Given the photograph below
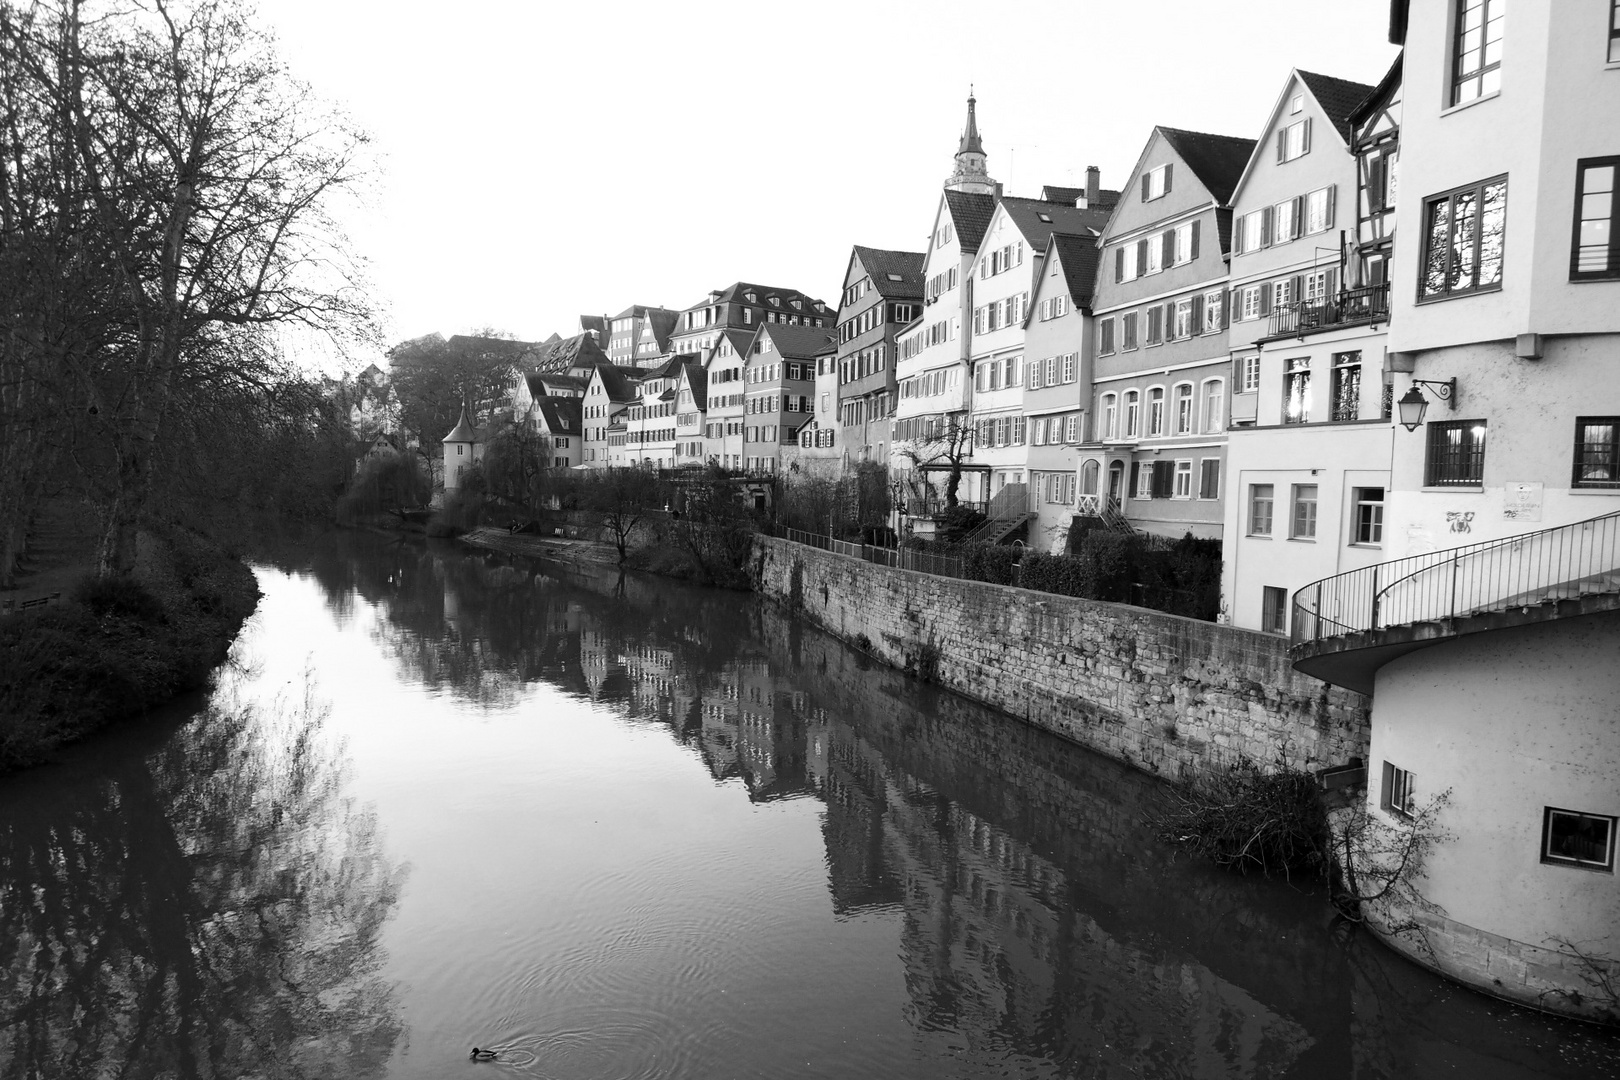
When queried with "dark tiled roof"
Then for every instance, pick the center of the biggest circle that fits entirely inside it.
(1338, 98)
(541, 383)
(599, 323)
(562, 414)
(735, 293)
(1028, 215)
(662, 323)
(908, 265)
(620, 382)
(639, 311)
(1068, 196)
(1380, 93)
(970, 215)
(552, 340)
(1080, 258)
(578, 353)
(1223, 226)
(1217, 160)
(798, 342)
(697, 380)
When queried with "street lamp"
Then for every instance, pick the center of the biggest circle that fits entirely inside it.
(1413, 404)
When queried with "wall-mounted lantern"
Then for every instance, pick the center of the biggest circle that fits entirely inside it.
(1413, 404)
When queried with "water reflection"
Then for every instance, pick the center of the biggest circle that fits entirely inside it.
(1044, 931)
(195, 899)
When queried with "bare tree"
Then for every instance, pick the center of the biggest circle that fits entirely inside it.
(209, 176)
(621, 497)
(946, 440)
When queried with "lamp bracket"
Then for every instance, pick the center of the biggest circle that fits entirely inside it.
(1443, 391)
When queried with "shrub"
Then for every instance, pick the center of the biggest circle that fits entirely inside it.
(1245, 818)
(1105, 566)
(120, 596)
(1058, 574)
(990, 562)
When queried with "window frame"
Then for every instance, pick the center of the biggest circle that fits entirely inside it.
(1273, 615)
(1473, 460)
(1611, 271)
(1269, 499)
(1183, 479)
(1477, 75)
(1303, 529)
(1583, 445)
(1476, 244)
(1212, 395)
(1603, 865)
(1397, 793)
(1365, 530)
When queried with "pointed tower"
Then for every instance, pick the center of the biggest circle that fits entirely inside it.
(970, 174)
(461, 450)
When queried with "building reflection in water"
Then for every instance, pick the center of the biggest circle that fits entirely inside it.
(1041, 920)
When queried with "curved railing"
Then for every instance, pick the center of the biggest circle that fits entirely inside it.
(1568, 561)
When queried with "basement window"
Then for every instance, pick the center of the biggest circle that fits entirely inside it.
(1571, 838)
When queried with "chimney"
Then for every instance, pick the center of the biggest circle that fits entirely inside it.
(1093, 184)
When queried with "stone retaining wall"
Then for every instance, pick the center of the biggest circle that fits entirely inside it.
(1170, 695)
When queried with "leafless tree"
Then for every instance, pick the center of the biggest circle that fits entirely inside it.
(946, 440)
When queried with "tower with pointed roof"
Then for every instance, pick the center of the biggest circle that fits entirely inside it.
(970, 174)
(462, 449)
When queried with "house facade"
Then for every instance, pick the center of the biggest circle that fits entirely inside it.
(744, 306)
(779, 380)
(821, 449)
(723, 432)
(610, 391)
(1308, 450)
(1161, 373)
(627, 329)
(883, 292)
(1057, 387)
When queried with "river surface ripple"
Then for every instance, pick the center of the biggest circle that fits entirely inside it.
(625, 828)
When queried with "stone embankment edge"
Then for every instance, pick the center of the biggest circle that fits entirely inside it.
(1172, 696)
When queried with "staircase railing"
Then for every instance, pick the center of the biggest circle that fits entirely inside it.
(1563, 562)
(1006, 509)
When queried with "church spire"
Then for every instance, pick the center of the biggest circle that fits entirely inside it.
(970, 174)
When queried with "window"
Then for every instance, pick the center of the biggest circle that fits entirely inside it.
(1183, 324)
(1367, 516)
(1462, 240)
(1156, 411)
(1282, 293)
(1214, 304)
(1399, 794)
(1156, 183)
(1614, 32)
(1297, 390)
(1571, 838)
(1249, 374)
(1155, 254)
(1184, 248)
(1250, 302)
(1184, 478)
(1251, 231)
(1274, 610)
(1110, 416)
(1597, 452)
(1133, 413)
(1214, 405)
(1209, 478)
(1476, 65)
(1184, 409)
(1303, 526)
(1261, 497)
(1346, 386)
(1285, 221)
(1155, 325)
(1070, 363)
(1105, 337)
(1595, 250)
(1071, 428)
(1294, 140)
(1456, 456)
(1319, 210)
(1127, 330)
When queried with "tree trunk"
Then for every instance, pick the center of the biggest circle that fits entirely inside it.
(116, 555)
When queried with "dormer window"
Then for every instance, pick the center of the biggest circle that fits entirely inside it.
(752, 298)
(798, 305)
(776, 301)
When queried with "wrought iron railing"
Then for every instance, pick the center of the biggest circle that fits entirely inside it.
(1347, 308)
(1565, 562)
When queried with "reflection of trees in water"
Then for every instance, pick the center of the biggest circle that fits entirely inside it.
(210, 909)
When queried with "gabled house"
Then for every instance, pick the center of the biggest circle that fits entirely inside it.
(1162, 365)
(724, 432)
(883, 292)
(691, 410)
(1308, 450)
(610, 392)
(743, 305)
(652, 338)
(625, 331)
(821, 451)
(575, 356)
(650, 420)
(560, 420)
(778, 381)
(1057, 388)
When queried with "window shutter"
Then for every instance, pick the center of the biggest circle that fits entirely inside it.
(1296, 289)
(1192, 251)
(1209, 484)
(1169, 239)
(1164, 479)
(1144, 187)
(1265, 298)
(1136, 476)
(1305, 143)
(1265, 226)
(1119, 265)
(1141, 257)
(1237, 234)
(1375, 185)
(1282, 145)
(1169, 169)
(1169, 320)
(1330, 286)
(1198, 315)
(1332, 191)
(1299, 216)
(1235, 313)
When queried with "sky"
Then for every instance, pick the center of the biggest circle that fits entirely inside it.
(540, 160)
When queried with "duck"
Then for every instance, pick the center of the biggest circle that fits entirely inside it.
(483, 1055)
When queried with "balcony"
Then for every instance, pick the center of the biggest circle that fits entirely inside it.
(1344, 628)
(1352, 307)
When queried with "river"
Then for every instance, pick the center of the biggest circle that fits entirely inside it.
(626, 828)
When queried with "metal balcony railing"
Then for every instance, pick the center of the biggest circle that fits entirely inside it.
(1561, 563)
(1348, 308)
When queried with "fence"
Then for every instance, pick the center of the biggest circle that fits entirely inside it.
(924, 562)
(1564, 562)
(1349, 308)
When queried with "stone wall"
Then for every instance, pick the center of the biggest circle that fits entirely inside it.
(1170, 695)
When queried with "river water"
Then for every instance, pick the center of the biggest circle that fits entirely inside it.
(627, 828)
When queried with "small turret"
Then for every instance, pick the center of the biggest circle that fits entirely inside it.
(970, 173)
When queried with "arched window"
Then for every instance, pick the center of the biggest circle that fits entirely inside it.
(1090, 472)
(1214, 405)
(1133, 414)
(1184, 418)
(1110, 416)
(1155, 424)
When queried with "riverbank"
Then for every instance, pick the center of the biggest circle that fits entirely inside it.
(104, 652)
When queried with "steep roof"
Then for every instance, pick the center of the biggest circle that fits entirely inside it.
(697, 381)
(970, 216)
(1379, 95)
(1338, 99)
(1038, 219)
(540, 383)
(1079, 257)
(620, 383)
(905, 266)
(599, 323)
(639, 311)
(737, 292)
(662, 323)
(970, 143)
(798, 342)
(578, 353)
(463, 431)
(1217, 160)
(562, 415)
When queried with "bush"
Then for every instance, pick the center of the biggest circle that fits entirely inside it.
(1248, 819)
(990, 562)
(118, 596)
(1104, 572)
(1058, 574)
